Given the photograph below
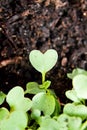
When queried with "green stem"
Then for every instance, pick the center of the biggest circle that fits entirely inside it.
(84, 125)
(43, 77)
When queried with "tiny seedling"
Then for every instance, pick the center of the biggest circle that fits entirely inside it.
(43, 110)
(43, 62)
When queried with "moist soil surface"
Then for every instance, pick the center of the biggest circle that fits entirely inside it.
(42, 24)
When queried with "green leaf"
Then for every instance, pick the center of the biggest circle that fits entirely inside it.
(43, 62)
(57, 108)
(74, 123)
(33, 88)
(16, 121)
(69, 123)
(45, 85)
(4, 113)
(75, 110)
(63, 122)
(72, 95)
(15, 98)
(76, 72)
(2, 97)
(48, 123)
(80, 85)
(44, 102)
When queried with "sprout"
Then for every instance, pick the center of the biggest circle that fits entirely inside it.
(43, 62)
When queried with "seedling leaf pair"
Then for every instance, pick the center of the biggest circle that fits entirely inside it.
(43, 62)
(16, 120)
(15, 98)
(76, 72)
(33, 88)
(79, 81)
(48, 123)
(69, 123)
(76, 110)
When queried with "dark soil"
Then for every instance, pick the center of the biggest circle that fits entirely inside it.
(42, 24)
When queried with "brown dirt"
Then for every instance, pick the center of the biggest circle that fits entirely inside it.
(41, 24)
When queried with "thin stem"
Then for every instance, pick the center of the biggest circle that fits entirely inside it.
(43, 77)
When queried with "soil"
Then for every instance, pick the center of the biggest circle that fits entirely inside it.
(42, 24)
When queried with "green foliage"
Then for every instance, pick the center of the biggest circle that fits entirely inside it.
(43, 111)
(67, 122)
(78, 110)
(33, 88)
(17, 117)
(16, 100)
(78, 95)
(2, 97)
(76, 72)
(44, 102)
(4, 113)
(43, 62)
(16, 120)
(45, 85)
(72, 95)
(80, 85)
(47, 123)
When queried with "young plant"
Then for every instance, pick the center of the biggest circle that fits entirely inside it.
(79, 82)
(43, 62)
(78, 95)
(44, 102)
(42, 112)
(16, 117)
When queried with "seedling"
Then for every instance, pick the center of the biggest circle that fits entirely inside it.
(42, 112)
(43, 62)
(78, 95)
(17, 117)
(79, 82)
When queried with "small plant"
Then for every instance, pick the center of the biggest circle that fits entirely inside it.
(43, 111)
(43, 62)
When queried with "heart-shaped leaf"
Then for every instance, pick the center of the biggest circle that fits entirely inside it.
(47, 123)
(80, 85)
(72, 95)
(15, 98)
(44, 102)
(69, 123)
(75, 110)
(75, 72)
(17, 120)
(63, 122)
(33, 88)
(43, 62)
(74, 123)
